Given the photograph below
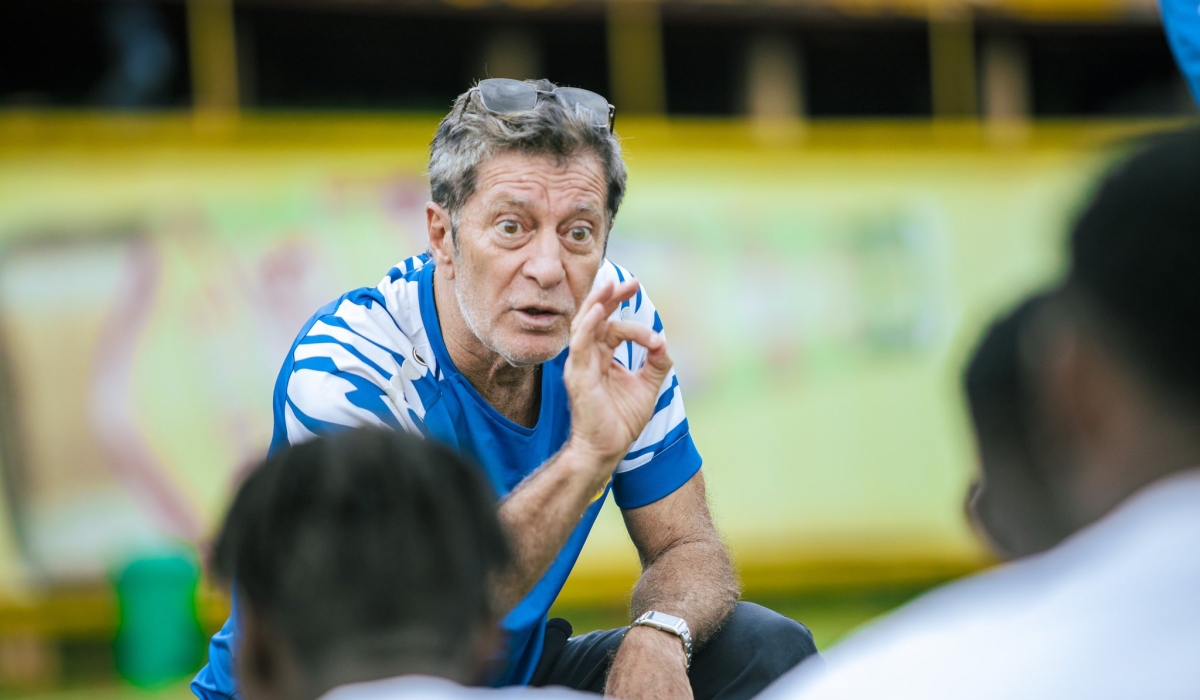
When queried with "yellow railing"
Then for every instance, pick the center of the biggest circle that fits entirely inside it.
(27, 132)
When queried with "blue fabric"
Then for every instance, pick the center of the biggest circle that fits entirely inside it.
(660, 477)
(457, 415)
(216, 681)
(1181, 22)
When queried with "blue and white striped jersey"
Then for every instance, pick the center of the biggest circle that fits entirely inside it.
(375, 357)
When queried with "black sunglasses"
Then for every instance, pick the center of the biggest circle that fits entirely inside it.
(504, 96)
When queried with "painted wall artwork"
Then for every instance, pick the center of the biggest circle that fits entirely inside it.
(819, 304)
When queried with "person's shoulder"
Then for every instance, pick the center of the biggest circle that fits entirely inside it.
(1107, 613)
(401, 292)
(938, 646)
(406, 271)
(921, 656)
(375, 332)
(387, 315)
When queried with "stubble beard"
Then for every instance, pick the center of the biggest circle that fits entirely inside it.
(474, 313)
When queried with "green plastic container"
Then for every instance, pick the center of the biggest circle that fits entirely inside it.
(158, 637)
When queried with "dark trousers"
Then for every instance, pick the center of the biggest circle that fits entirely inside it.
(752, 649)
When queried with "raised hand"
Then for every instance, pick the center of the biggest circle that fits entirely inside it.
(610, 405)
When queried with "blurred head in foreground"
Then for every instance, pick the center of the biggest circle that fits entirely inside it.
(357, 557)
(1010, 503)
(1118, 348)
(1083, 398)
(1080, 398)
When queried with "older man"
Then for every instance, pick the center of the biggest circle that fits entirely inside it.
(515, 341)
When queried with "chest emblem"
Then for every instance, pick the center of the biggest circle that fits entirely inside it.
(416, 368)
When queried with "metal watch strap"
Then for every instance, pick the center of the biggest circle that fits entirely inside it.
(671, 625)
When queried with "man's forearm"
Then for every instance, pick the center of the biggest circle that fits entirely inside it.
(686, 569)
(686, 572)
(693, 580)
(539, 515)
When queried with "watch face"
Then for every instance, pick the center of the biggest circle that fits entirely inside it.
(670, 621)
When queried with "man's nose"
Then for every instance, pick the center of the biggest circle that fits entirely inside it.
(544, 264)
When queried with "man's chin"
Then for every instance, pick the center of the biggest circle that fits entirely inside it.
(526, 351)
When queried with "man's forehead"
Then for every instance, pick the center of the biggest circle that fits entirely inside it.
(519, 180)
(583, 204)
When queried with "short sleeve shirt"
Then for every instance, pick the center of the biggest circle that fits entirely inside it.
(375, 357)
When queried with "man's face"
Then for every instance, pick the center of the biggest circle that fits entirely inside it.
(1010, 506)
(529, 244)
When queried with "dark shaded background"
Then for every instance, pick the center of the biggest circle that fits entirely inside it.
(351, 56)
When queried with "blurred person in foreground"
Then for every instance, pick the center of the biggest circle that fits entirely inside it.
(517, 342)
(362, 563)
(1101, 507)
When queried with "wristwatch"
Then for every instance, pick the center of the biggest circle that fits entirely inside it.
(671, 625)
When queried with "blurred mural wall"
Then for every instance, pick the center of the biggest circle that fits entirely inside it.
(820, 288)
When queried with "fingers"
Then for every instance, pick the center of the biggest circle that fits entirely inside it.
(598, 296)
(620, 293)
(658, 359)
(617, 332)
(624, 292)
(609, 296)
(599, 305)
(587, 329)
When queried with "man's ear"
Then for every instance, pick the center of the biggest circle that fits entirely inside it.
(1090, 409)
(266, 668)
(1086, 390)
(440, 228)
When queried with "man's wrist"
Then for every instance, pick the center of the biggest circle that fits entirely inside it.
(645, 639)
(589, 462)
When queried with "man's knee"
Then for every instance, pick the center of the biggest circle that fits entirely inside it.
(770, 639)
(754, 648)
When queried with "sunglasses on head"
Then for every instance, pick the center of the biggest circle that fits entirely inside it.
(504, 96)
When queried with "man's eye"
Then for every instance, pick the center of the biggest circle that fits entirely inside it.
(579, 234)
(510, 228)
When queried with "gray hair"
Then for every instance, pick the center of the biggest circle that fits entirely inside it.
(470, 135)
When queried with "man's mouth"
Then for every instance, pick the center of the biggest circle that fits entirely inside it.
(538, 316)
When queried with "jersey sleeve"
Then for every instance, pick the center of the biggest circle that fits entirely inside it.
(340, 375)
(1181, 22)
(663, 457)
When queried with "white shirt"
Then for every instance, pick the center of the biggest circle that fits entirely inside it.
(433, 688)
(1112, 612)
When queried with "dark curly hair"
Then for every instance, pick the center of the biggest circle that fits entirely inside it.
(370, 543)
